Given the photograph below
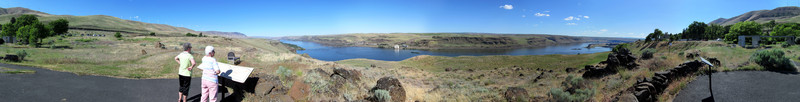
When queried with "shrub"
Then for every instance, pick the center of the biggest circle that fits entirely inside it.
(2, 41)
(580, 95)
(382, 95)
(785, 45)
(284, 74)
(118, 35)
(620, 47)
(648, 53)
(772, 59)
(22, 54)
(152, 34)
(572, 81)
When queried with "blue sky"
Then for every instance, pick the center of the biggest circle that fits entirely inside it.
(273, 18)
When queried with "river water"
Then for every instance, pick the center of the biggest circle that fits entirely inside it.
(330, 53)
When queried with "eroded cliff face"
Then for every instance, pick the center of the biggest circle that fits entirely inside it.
(476, 40)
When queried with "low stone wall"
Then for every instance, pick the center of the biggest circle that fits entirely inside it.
(648, 89)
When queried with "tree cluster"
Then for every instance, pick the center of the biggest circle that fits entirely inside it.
(28, 29)
(195, 35)
(702, 31)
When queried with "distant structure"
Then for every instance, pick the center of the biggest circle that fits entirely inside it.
(756, 38)
(396, 46)
(9, 39)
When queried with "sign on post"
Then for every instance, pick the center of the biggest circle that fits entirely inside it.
(235, 73)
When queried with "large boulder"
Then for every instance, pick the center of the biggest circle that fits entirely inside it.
(621, 58)
(516, 94)
(597, 71)
(353, 75)
(12, 58)
(395, 88)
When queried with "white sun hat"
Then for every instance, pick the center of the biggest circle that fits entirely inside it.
(209, 49)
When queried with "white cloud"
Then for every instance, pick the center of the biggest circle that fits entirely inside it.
(585, 16)
(541, 14)
(523, 16)
(572, 18)
(546, 11)
(603, 30)
(507, 7)
(571, 24)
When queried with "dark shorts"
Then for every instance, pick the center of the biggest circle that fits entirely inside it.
(184, 83)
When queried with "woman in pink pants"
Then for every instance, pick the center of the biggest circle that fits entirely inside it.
(210, 71)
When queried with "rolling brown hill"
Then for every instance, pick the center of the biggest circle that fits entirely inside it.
(109, 24)
(780, 15)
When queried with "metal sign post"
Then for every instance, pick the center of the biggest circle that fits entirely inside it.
(709, 76)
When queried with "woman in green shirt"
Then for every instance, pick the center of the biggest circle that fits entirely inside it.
(184, 71)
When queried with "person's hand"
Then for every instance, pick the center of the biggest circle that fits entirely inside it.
(190, 68)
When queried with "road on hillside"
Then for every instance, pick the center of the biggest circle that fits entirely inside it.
(743, 86)
(52, 86)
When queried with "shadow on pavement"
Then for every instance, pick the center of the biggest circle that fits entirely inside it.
(709, 99)
(238, 88)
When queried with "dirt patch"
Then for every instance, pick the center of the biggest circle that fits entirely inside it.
(299, 90)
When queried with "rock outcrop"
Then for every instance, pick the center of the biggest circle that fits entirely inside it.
(516, 94)
(395, 88)
(619, 59)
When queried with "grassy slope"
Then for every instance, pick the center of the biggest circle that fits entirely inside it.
(109, 23)
(123, 58)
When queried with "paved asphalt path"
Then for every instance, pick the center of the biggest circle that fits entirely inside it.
(744, 86)
(53, 86)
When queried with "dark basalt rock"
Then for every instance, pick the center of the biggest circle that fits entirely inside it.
(12, 58)
(347, 74)
(621, 58)
(392, 85)
(646, 90)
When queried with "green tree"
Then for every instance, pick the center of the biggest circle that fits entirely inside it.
(33, 33)
(152, 34)
(714, 31)
(13, 20)
(655, 36)
(118, 35)
(201, 34)
(26, 20)
(60, 26)
(9, 29)
(769, 25)
(786, 29)
(743, 28)
(191, 35)
(696, 30)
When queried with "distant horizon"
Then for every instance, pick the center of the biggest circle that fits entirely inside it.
(444, 32)
(615, 18)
